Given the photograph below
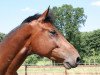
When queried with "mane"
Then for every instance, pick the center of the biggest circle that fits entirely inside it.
(49, 18)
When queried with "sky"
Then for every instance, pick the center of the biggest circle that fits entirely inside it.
(13, 12)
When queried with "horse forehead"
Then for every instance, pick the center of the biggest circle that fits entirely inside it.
(45, 25)
(49, 26)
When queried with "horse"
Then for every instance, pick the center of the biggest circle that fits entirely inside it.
(36, 35)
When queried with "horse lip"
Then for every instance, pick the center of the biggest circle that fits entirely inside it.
(67, 65)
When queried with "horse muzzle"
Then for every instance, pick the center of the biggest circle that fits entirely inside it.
(71, 64)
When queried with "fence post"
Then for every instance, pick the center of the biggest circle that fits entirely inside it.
(65, 72)
(25, 69)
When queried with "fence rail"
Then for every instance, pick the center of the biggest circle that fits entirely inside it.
(59, 70)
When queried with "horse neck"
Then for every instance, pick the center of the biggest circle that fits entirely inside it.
(13, 43)
(17, 38)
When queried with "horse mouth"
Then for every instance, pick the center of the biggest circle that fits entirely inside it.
(67, 65)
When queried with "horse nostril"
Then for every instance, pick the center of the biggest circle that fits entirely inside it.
(78, 60)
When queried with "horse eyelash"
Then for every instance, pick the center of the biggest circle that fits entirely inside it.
(53, 32)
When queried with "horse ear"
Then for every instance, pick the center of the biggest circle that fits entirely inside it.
(44, 15)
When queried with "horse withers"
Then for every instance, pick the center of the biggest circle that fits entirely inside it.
(35, 35)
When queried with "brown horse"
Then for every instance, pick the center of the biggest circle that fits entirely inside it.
(38, 35)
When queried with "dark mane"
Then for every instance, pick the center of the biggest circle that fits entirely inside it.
(49, 18)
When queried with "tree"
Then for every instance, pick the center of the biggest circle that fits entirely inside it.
(68, 21)
(2, 35)
(94, 41)
(90, 45)
(32, 59)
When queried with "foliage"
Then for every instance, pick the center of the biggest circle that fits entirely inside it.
(44, 61)
(90, 45)
(33, 59)
(68, 21)
(1, 36)
(36, 59)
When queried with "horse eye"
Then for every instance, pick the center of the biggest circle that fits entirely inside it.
(53, 32)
